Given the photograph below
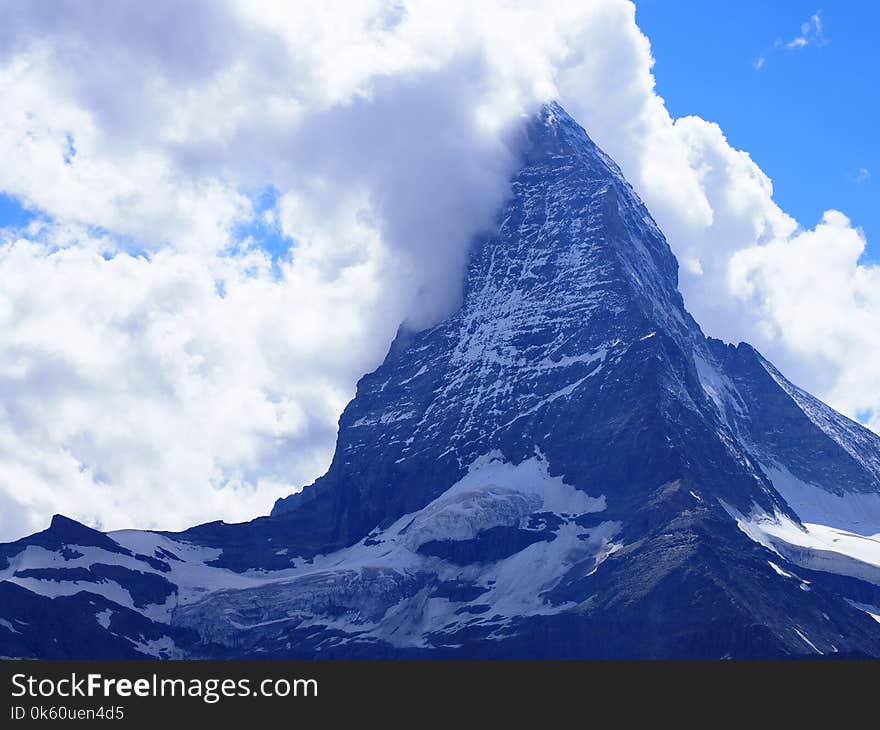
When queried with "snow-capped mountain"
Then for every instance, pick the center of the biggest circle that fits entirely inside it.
(565, 467)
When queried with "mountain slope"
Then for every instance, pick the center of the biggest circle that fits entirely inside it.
(566, 466)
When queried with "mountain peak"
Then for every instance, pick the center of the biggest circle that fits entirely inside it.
(576, 286)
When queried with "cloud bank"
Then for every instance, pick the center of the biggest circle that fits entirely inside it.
(235, 205)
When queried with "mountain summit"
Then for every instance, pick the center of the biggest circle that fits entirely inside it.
(565, 467)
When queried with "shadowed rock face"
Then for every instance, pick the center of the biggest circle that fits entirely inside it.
(565, 467)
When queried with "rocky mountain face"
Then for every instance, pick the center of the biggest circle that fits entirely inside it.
(565, 467)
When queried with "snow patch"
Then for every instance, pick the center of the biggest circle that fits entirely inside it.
(103, 618)
(857, 512)
(162, 648)
(807, 640)
(812, 546)
(461, 516)
(779, 571)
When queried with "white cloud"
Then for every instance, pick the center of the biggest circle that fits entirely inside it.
(156, 370)
(813, 299)
(812, 34)
(132, 392)
(863, 175)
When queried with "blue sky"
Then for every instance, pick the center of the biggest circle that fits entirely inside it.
(808, 115)
(11, 212)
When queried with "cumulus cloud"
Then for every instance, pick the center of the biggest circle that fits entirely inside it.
(810, 295)
(161, 364)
